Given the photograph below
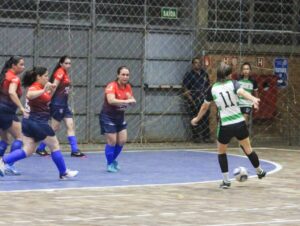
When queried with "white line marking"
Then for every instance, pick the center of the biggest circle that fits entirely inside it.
(145, 215)
(257, 222)
(92, 196)
(45, 220)
(121, 217)
(167, 214)
(189, 212)
(21, 222)
(278, 167)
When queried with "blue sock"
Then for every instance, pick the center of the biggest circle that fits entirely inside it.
(118, 149)
(42, 146)
(3, 146)
(73, 143)
(109, 153)
(17, 144)
(14, 156)
(59, 161)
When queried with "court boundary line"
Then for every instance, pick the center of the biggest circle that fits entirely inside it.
(278, 167)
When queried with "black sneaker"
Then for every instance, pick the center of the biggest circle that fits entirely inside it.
(41, 152)
(262, 174)
(77, 153)
(225, 185)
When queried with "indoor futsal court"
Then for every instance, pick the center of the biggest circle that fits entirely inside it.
(154, 187)
(163, 89)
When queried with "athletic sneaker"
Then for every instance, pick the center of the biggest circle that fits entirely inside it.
(2, 168)
(225, 185)
(68, 174)
(111, 168)
(41, 152)
(11, 170)
(77, 153)
(116, 165)
(262, 174)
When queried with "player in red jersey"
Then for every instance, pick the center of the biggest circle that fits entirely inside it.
(10, 94)
(35, 127)
(60, 110)
(118, 95)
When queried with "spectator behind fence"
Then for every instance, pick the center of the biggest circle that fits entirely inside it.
(195, 84)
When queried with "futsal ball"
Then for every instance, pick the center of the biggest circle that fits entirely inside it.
(240, 174)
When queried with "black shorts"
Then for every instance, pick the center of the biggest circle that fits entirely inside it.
(36, 130)
(246, 110)
(238, 130)
(6, 120)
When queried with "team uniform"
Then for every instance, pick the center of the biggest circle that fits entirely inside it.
(8, 108)
(232, 122)
(36, 125)
(59, 103)
(111, 117)
(250, 86)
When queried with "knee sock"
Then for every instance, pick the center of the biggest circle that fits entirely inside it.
(224, 166)
(3, 146)
(73, 143)
(14, 156)
(17, 144)
(118, 149)
(255, 161)
(41, 146)
(109, 153)
(59, 161)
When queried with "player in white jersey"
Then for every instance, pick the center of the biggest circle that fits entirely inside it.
(225, 93)
(250, 85)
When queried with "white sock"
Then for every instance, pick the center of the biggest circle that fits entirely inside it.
(259, 170)
(225, 177)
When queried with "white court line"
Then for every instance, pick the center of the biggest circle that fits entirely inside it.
(257, 222)
(91, 196)
(278, 167)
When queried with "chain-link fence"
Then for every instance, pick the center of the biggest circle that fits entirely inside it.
(157, 40)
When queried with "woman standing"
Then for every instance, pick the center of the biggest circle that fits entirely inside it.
(60, 111)
(35, 127)
(225, 94)
(118, 95)
(10, 95)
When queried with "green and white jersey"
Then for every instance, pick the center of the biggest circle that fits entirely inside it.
(249, 85)
(224, 94)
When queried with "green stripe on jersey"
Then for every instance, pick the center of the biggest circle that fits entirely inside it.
(231, 117)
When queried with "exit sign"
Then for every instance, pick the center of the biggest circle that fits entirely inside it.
(168, 13)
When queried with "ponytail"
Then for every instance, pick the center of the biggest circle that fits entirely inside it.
(14, 60)
(30, 76)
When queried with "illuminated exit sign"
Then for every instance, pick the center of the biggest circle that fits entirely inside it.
(169, 13)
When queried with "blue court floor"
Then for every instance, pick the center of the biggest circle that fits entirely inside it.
(137, 168)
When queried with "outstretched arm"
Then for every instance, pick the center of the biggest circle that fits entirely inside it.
(202, 111)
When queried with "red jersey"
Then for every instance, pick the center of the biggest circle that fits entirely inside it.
(121, 93)
(39, 107)
(61, 94)
(6, 103)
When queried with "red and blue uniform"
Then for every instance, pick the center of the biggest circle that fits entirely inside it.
(59, 103)
(36, 125)
(8, 108)
(112, 116)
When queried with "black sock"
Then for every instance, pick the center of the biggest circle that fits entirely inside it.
(254, 159)
(223, 162)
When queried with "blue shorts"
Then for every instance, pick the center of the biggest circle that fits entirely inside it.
(6, 120)
(36, 130)
(60, 112)
(111, 125)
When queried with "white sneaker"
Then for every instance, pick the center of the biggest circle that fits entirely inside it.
(2, 168)
(69, 174)
(11, 170)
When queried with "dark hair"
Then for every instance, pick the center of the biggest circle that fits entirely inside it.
(14, 60)
(31, 75)
(58, 65)
(246, 63)
(120, 68)
(195, 58)
(223, 71)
